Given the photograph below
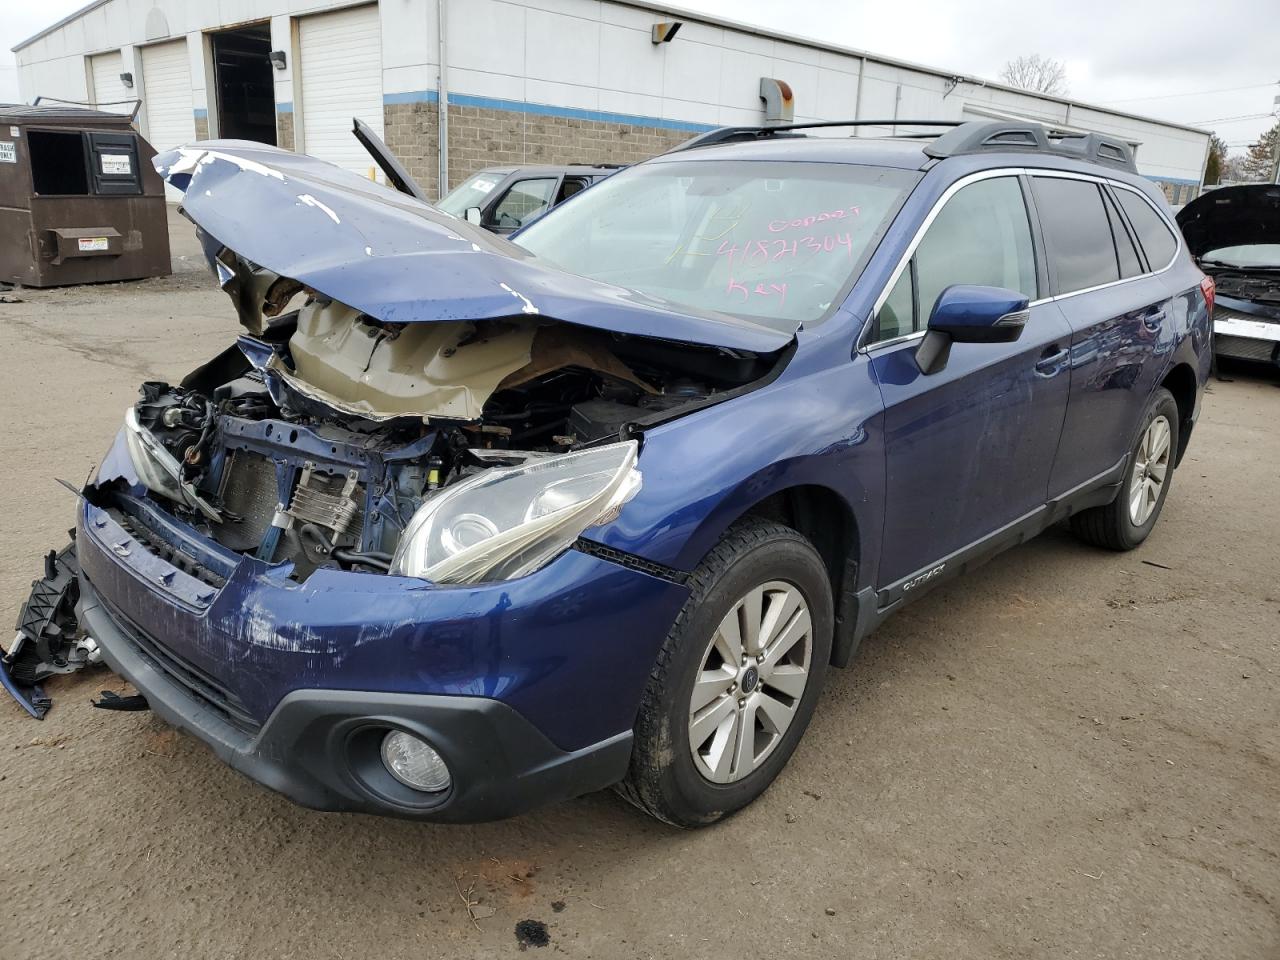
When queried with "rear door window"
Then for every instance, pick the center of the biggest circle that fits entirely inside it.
(1158, 241)
(1077, 233)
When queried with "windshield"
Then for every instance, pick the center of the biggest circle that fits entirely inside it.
(779, 242)
(1248, 255)
(471, 193)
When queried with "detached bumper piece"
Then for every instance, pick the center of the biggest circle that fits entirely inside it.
(48, 641)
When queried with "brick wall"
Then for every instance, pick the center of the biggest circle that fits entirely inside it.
(409, 131)
(480, 137)
(284, 130)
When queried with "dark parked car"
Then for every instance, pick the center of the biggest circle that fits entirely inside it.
(1234, 234)
(458, 526)
(503, 199)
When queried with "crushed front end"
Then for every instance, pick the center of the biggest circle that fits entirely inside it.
(347, 553)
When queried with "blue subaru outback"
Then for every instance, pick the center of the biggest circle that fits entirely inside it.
(459, 525)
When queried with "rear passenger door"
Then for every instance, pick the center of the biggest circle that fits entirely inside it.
(1117, 310)
(968, 449)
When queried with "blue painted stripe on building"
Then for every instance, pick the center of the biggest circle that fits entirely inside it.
(201, 113)
(547, 110)
(413, 96)
(284, 108)
(1159, 179)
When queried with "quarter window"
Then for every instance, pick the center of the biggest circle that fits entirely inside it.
(1158, 241)
(981, 236)
(1077, 233)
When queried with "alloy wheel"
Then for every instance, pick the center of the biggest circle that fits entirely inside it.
(750, 681)
(1150, 469)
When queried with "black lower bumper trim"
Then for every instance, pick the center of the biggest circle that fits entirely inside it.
(319, 747)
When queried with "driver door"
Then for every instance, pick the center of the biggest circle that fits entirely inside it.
(968, 449)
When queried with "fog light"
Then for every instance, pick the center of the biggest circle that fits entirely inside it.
(414, 762)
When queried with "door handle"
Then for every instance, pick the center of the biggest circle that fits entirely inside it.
(1153, 318)
(1049, 363)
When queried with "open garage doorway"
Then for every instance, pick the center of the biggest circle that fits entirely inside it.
(245, 83)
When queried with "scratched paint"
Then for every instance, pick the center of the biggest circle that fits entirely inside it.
(311, 201)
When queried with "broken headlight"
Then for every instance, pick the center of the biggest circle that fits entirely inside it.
(509, 521)
(157, 469)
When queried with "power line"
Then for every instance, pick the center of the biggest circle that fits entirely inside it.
(1191, 93)
(1249, 116)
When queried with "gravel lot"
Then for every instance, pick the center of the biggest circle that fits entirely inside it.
(1067, 754)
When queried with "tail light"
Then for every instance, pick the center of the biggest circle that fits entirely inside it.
(1209, 289)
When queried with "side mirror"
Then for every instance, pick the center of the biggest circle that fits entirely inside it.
(970, 314)
(472, 215)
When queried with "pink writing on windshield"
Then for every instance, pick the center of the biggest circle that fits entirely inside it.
(801, 223)
(756, 253)
(745, 291)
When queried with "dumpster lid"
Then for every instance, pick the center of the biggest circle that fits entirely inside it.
(21, 113)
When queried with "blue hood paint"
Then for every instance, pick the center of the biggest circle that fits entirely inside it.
(401, 260)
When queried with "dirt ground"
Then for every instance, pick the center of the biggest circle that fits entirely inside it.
(1067, 754)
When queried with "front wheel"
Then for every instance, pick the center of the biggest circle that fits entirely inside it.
(1127, 521)
(736, 680)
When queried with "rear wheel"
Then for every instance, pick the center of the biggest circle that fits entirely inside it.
(1127, 521)
(736, 681)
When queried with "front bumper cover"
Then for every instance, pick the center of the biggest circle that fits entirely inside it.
(318, 747)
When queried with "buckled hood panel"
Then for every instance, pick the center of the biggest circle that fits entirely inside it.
(284, 215)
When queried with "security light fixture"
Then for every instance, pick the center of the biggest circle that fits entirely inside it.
(666, 32)
(278, 59)
(127, 80)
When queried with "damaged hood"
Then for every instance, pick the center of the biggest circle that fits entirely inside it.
(1231, 217)
(395, 258)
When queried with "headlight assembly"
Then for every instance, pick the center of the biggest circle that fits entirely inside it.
(157, 469)
(509, 521)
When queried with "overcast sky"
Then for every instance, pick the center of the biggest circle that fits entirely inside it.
(1202, 64)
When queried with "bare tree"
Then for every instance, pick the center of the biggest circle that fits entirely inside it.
(1036, 73)
(1260, 161)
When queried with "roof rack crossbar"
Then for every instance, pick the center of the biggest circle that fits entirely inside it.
(1017, 137)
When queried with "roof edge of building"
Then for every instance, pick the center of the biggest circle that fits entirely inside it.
(892, 61)
(775, 35)
(74, 15)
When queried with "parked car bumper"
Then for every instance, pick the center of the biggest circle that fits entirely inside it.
(527, 688)
(1246, 331)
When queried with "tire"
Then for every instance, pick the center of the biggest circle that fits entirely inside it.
(1121, 525)
(755, 558)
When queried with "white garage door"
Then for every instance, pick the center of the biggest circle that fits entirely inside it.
(341, 55)
(104, 73)
(166, 95)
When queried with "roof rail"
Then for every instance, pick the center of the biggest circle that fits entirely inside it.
(1013, 136)
(770, 132)
(959, 138)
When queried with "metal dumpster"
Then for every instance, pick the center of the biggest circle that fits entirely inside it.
(79, 200)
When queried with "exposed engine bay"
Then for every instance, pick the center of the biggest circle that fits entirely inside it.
(316, 441)
(1258, 286)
